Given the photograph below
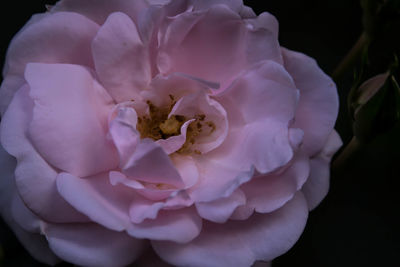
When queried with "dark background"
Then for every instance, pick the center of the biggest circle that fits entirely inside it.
(358, 223)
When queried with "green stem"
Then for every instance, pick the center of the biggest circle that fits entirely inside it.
(351, 58)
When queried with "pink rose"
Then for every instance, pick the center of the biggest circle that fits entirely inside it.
(183, 126)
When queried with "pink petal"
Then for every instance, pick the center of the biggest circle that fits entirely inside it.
(265, 21)
(260, 105)
(180, 226)
(121, 59)
(93, 245)
(217, 180)
(317, 185)
(221, 209)
(186, 166)
(189, 32)
(123, 132)
(35, 243)
(235, 5)
(69, 123)
(142, 209)
(174, 143)
(98, 10)
(270, 192)
(177, 85)
(44, 41)
(151, 164)
(9, 86)
(230, 35)
(151, 193)
(318, 106)
(261, 237)
(95, 197)
(32, 171)
(200, 103)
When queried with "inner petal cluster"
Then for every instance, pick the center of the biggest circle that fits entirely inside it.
(159, 123)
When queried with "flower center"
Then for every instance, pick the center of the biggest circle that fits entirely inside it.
(156, 125)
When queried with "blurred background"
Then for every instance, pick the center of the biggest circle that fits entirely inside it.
(358, 222)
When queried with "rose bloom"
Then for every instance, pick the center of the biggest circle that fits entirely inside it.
(178, 125)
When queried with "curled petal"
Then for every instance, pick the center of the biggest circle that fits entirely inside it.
(215, 127)
(220, 210)
(151, 164)
(180, 226)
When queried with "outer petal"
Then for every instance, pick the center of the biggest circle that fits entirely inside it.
(32, 171)
(10, 85)
(92, 245)
(187, 39)
(260, 105)
(69, 123)
(95, 197)
(261, 237)
(98, 10)
(317, 185)
(33, 242)
(44, 41)
(220, 210)
(270, 192)
(121, 59)
(180, 226)
(319, 104)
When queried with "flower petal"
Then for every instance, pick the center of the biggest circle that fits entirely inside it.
(221, 209)
(151, 164)
(123, 132)
(174, 143)
(215, 128)
(44, 41)
(95, 197)
(9, 86)
(92, 245)
(98, 10)
(230, 35)
(69, 123)
(258, 119)
(270, 192)
(318, 106)
(32, 171)
(225, 179)
(180, 226)
(261, 237)
(121, 59)
(35, 243)
(317, 185)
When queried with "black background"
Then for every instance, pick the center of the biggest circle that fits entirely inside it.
(358, 223)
